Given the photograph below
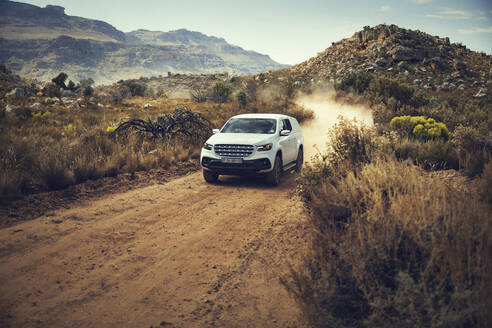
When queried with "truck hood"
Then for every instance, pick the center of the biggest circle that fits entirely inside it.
(240, 138)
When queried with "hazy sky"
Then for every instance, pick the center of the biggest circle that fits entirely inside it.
(292, 31)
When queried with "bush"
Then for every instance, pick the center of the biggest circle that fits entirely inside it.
(358, 81)
(60, 79)
(199, 95)
(420, 128)
(242, 99)
(393, 247)
(134, 87)
(84, 83)
(474, 149)
(88, 91)
(289, 88)
(402, 92)
(484, 184)
(221, 92)
(71, 85)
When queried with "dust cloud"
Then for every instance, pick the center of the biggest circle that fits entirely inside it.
(326, 110)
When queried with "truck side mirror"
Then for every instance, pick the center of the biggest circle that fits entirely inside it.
(284, 133)
(215, 131)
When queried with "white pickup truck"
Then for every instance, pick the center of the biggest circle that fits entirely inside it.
(266, 144)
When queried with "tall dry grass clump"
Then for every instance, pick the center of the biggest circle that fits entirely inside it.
(393, 246)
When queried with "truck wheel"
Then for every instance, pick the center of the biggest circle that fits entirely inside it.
(210, 177)
(273, 177)
(300, 159)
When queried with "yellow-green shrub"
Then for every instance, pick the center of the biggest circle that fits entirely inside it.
(420, 127)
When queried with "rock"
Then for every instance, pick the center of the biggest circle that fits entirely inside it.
(436, 63)
(461, 87)
(17, 93)
(456, 75)
(10, 108)
(36, 106)
(459, 65)
(384, 62)
(147, 106)
(417, 82)
(401, 53)
(68, 93)
(477, 84)
(444, 86)
(481, 93)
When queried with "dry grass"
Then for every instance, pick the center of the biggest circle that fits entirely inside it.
(393, 246)
(70, 146)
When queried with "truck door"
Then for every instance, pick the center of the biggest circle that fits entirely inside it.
(288, 142)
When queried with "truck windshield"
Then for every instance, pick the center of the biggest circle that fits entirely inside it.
(250, 125)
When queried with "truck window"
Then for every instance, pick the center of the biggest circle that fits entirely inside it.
(286, 125)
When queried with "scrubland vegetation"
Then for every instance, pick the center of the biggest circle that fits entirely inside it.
(56, 145)
(394, 243)
(394, 246)
(453, 132)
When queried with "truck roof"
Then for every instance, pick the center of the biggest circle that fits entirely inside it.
(261, 115)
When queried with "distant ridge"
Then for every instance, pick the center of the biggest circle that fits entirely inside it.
(40, 42)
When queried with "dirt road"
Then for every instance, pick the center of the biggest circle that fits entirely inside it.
(177, 254)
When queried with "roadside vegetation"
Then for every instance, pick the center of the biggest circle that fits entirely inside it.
(49, 142)
(396, 242)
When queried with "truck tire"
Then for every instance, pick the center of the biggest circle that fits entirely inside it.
(273, 177)
(210, 177)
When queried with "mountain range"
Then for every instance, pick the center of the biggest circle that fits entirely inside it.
(41, 42)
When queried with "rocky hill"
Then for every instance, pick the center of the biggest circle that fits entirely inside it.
(428, 62)
(40, 42)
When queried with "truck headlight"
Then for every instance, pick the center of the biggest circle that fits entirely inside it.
(264, 147)
(208, 146)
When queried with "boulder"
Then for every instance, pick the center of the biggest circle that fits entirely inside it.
(384, 62)
(459, 65)
(17, 93)
(481, 93)
(35, 106)
(401, 53)
(10, 108)
(68, 93)
(455, 75)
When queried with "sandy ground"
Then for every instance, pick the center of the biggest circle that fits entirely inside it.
(180, 254)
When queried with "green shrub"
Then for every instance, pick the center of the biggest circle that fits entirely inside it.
(71, 85)
(88, 91)
(420, 128)
(242, 99)
(60, 79)
(358, 81)
(84, 83)
(221, 92)
(134, 87)
(404, 93)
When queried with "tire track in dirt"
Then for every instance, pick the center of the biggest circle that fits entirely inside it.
(184, 252)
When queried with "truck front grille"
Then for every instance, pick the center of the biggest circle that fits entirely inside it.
(234, 150)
